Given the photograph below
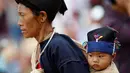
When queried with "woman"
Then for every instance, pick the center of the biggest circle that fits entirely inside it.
(57, 52)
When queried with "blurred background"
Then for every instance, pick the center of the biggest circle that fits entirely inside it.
(81, 17)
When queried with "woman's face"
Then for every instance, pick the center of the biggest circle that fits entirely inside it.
(28, 22)
(98, 60)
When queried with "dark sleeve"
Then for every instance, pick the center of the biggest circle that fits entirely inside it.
(67, 60)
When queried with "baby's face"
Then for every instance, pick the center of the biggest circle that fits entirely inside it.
(98, 60)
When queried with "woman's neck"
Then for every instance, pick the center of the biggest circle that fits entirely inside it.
(44, 33)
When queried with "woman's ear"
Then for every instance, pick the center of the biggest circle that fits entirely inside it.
(113, 56)
(42, 16)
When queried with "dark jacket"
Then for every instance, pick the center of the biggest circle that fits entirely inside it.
(62, 55)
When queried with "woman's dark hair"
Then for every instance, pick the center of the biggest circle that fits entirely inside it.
(35, 12)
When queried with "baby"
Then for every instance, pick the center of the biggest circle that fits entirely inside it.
(101, 48)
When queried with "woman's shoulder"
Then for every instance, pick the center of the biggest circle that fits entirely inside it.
(59, 39)
(62, 42)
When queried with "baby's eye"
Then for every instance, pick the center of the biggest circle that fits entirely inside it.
(90, 55)
(101, 56)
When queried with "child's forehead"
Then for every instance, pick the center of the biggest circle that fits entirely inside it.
(98, 53)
